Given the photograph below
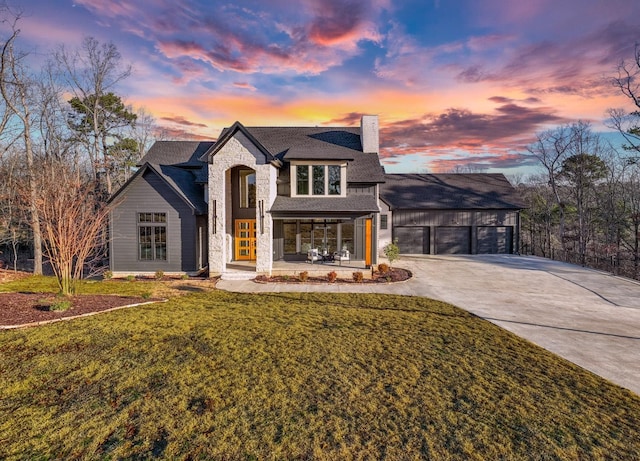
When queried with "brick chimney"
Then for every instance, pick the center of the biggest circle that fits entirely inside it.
(369, 134)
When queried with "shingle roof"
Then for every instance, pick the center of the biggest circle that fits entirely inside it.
(178, 153)
(351, 205)
(309, 143)
(183, 182)
(449, 191)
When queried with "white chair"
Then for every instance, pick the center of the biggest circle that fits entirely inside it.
(313, 255)
(342, 256)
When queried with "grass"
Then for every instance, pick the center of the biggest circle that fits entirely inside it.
(215, 375)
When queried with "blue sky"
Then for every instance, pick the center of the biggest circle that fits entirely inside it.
(455, 83)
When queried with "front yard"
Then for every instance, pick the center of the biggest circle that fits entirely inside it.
(216, 375)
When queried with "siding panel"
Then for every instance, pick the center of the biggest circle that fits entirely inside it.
(148, 193)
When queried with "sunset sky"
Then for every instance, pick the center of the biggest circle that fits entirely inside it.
(455, 83)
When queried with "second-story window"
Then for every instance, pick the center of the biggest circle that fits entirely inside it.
(319, 179)
(302, 179)
(247, 189)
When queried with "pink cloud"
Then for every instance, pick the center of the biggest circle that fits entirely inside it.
(321, 34)
(244, 86)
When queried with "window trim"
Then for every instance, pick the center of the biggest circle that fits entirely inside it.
(158, 219)
(327, 187)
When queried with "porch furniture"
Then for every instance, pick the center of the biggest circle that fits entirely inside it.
(342, 255)
(313, 255)
(326, 256)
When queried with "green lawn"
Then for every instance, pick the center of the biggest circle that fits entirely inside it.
(214, 375)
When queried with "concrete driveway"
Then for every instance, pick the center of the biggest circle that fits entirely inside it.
(588, 317)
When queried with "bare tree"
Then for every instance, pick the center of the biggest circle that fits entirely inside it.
(91, 73)
(17, 88)
(627, 81)
(551, 148)
(73, 220)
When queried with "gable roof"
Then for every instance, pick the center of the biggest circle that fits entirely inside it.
(450, 191)
(181, 181)
(178, 153)
(227, 134)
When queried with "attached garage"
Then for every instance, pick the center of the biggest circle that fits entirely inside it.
(495, 239)
(453, 240)
(453, 213)
(412, 240)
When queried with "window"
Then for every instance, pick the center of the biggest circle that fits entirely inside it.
(302, 179)
(152, 236)
(334, 179)
(247, 189)
(319, 179)
(383, 221)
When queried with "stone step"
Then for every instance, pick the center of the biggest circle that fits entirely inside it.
(237, 275)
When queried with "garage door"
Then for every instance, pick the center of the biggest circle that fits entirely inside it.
(412, 240)
(494, 240)
(453, 240)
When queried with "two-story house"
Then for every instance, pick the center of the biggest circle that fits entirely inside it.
(258, 194)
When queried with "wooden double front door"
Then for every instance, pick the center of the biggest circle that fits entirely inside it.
(245, 240)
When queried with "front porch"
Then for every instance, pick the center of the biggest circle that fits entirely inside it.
(247, 269)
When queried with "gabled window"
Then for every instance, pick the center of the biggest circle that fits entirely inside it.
(318, 180)
(152, 236)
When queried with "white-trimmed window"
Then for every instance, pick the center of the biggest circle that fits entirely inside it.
(318, 179)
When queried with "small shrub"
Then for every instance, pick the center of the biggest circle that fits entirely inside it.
(332, 276)
(392, 251)
(60, 306)
(304, 276)
(285, 278)
(159, 275)
(358, 277)
(107, 275)
(383, 268)
(146, 295)
(184, 277)
(131, 278)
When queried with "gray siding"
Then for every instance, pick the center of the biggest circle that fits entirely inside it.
(455, 218)
(361, 190)
(148, 193)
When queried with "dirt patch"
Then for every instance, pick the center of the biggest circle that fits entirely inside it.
(10, 276)
(23, 308)
(392, 275)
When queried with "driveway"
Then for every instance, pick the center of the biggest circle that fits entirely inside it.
(588, 317)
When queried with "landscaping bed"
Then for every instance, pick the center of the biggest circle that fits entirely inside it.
(388, 276)
(25, 308)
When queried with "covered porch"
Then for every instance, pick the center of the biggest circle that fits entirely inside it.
(245, 270)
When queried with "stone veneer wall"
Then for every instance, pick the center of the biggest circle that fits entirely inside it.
(239, 151)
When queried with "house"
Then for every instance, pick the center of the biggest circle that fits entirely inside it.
(260, 195)
(474, 213)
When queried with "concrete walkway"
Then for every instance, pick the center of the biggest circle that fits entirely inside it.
(588, 317)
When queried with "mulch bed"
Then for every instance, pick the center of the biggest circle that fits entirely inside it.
(393, 275)
(24, 308)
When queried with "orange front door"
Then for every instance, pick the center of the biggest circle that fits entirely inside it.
(367, 242)
(245, 240)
